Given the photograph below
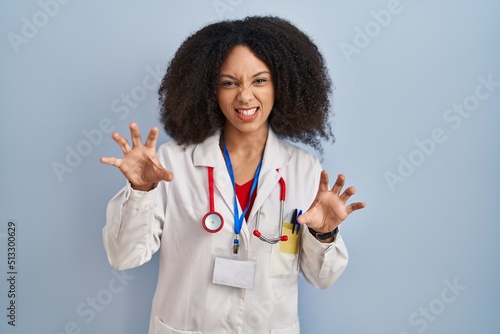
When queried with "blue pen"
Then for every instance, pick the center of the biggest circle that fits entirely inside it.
(298, 224)
(294, 220)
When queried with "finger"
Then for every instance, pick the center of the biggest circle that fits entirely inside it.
(323, 181)
(121, 141)
(160, 173)
(355, 206)
(339, 184)
(135, 134)
(304, 218)
(347, 194)
(166, 175)
(111, 161)
(152, 137)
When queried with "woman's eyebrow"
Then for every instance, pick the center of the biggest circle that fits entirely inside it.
(260, 73)
(253, 76)
(227, 76)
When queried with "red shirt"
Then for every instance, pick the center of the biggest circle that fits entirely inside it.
(243, 194)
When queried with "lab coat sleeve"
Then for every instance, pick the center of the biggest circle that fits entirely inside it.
(322, 263)
(132, 233)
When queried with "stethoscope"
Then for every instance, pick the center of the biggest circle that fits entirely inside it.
(213, 221)
(282, 237)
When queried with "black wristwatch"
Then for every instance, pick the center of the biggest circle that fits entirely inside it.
(324, 236)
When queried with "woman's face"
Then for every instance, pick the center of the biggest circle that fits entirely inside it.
(245, 91)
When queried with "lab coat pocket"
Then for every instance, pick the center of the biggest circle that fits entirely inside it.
(285, 255)
(161, 328)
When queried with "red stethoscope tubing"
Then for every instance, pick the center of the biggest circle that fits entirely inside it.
(217, 219)
(283, 189)
(211, 188)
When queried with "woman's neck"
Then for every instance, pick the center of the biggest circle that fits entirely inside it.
(245, 151)
(245, 144)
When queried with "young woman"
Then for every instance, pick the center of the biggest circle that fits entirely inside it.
(221, 200)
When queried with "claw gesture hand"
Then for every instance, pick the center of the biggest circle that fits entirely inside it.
(140, 165)
(329, 208)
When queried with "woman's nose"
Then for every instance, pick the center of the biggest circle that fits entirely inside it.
(245, 95)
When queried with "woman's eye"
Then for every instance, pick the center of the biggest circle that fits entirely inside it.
(260, 81)
(228, 83)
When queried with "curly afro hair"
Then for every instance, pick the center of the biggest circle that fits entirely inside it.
(189, 109)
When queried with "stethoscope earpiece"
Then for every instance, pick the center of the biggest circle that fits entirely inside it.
(271, 241)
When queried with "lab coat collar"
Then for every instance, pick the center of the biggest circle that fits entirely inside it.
(208, 153)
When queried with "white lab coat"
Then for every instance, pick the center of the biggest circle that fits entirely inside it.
(169, 218)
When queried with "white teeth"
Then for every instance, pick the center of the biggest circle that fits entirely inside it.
(247, 112)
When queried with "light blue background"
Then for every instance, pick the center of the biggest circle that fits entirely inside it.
(438, 227)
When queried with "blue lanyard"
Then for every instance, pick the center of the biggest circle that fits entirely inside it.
(238, 219)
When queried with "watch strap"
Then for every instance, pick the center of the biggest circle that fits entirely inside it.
(324, 236)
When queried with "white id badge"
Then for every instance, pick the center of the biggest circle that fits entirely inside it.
(235, 273)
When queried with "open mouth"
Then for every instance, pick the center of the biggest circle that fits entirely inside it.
(247, 112)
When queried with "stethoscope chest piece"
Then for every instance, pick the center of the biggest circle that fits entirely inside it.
(212, 222)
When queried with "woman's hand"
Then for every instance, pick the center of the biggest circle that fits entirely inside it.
(139, 164)
(329, 208)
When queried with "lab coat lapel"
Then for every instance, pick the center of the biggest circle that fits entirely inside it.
(224, 185)
(208, 154)
(276, 156)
